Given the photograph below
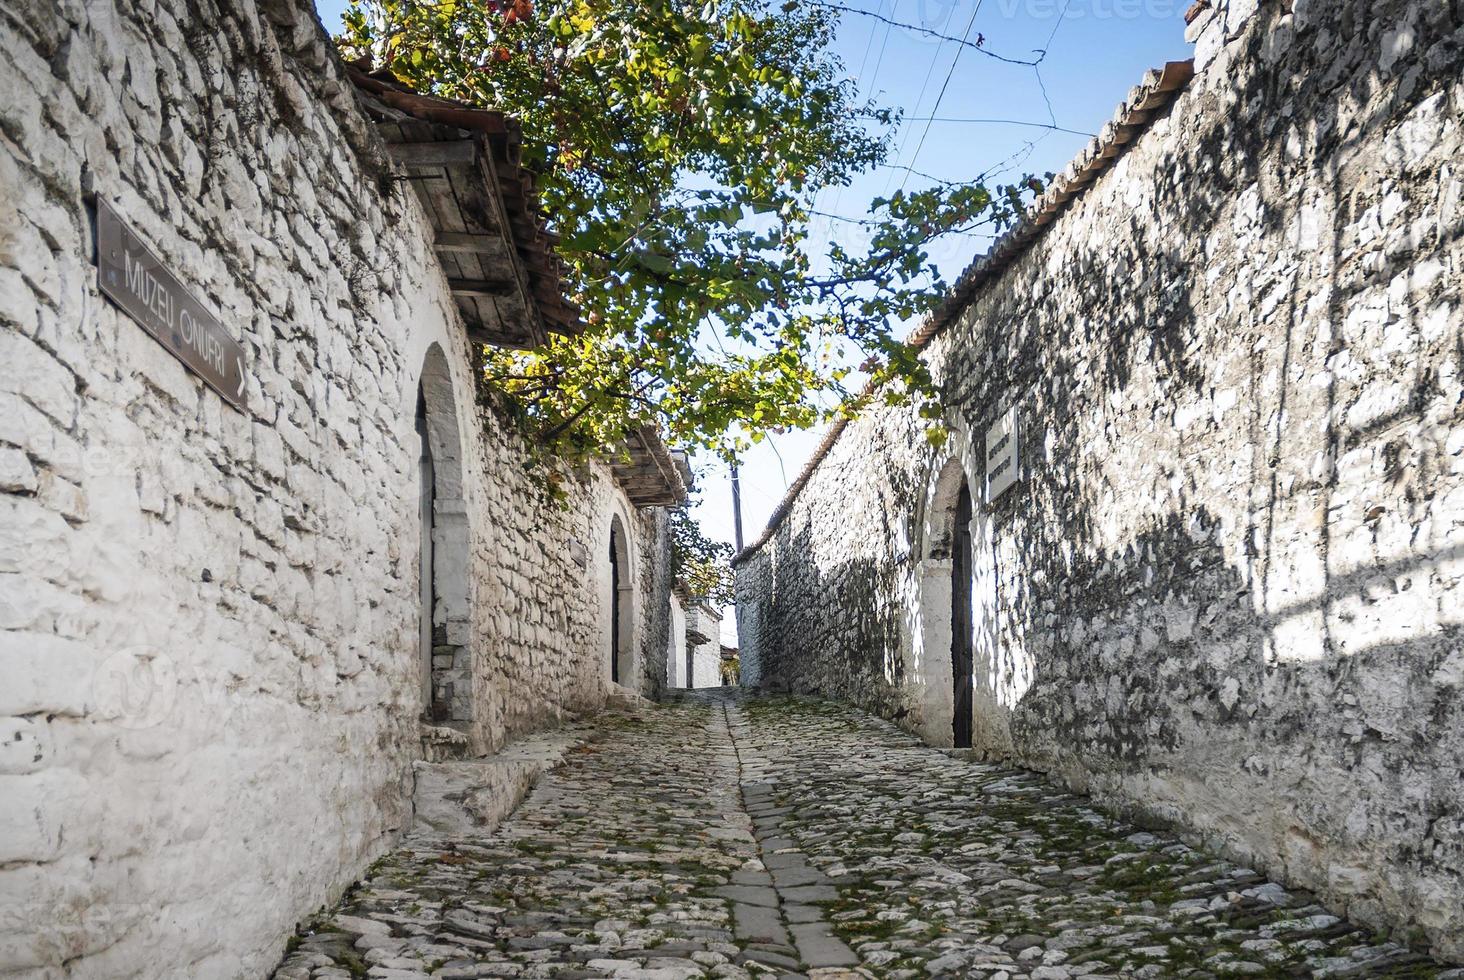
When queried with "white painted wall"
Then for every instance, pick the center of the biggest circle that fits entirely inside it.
(209, 618)
(676, 646)
(707, 655)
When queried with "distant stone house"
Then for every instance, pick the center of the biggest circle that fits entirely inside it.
(262, 545)
(694, 649)
(704, 645)
(731, 667)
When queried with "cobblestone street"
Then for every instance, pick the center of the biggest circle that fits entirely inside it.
(746, 837)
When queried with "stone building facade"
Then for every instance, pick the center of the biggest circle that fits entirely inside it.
(704, 645)
(1226, 591)
(221, 656)
(693, 656)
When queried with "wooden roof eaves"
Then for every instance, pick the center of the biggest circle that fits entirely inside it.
(511, 186)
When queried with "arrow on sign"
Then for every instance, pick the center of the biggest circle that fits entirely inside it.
(132, 276)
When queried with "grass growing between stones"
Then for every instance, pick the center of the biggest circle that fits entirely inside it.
(1012, 856)
(614, 859)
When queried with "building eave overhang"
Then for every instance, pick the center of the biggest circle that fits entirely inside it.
(647, 471)
(464, 165)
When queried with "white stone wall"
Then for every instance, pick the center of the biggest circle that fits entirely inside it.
(1229, 594)
(676, 675)
(755, 570)
(706, 665)
(209, 619)
(703, 668)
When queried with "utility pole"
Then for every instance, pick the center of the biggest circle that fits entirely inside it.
(736, 509)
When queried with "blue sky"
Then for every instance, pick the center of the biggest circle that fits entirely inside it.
(1096, 50)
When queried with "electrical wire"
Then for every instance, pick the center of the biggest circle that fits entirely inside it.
(915, 158)
(1003, 122)
(859, 75)
(873, 78)
(1037, 68)
(929, 72)
(869, 44)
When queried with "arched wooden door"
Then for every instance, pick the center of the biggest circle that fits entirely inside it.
(426, 592)
(961, 638)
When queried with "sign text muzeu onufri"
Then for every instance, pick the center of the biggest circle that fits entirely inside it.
(1003, 457)
(133, 278)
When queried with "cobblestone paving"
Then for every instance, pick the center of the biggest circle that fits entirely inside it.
(723, 836)
(952, 868)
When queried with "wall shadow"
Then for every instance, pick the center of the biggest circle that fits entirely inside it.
(1232, 564)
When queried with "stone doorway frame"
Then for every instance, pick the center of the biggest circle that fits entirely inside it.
(931, 626)
(451, 666)
(620, 661)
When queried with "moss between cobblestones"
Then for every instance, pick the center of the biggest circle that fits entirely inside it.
(855, 790)
(948, 805)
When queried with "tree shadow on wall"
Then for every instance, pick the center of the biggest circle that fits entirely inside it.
(1162, 673)
(837, 632)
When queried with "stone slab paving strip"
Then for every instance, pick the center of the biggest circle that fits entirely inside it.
(723, 835)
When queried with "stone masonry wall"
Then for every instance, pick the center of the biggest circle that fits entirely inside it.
(1229, 594)
(211, 693)
(706, 656)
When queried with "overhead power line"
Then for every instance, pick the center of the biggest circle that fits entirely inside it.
(879, 58)
(868, 46)
(964, 42)
(1003, 122)
(867, 89)
(1037, 68)
(919, 99)
(944, 85)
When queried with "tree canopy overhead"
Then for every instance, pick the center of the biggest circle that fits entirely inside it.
(681, 146)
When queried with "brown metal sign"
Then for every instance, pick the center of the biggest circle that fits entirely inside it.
(133, 278)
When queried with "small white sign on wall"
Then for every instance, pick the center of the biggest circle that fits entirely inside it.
(1003, 457)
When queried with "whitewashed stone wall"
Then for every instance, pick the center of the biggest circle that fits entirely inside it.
(706, 657)
(704, 666)
(676, 674)
(1229, 595)
(209, 619)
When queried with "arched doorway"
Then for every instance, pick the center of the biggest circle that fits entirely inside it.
(445, 653)
(426, 507)
(969, 685)
(621, 625)
(944, 634)
(961, 620)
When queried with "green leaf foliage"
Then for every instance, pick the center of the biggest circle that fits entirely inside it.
(704, 566)
(680, 147)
